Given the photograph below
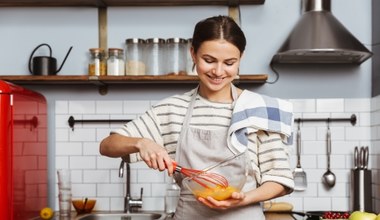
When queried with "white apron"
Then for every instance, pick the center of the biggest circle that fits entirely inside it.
(198, 149)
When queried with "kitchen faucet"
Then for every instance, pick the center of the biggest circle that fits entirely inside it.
(130, 204)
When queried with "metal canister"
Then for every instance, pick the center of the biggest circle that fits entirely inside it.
(134, 62)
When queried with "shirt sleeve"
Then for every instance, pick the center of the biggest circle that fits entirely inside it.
(270, 159)
(145, 126)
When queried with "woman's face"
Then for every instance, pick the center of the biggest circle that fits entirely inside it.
(217, 64)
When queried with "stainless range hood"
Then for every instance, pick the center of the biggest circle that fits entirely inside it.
(319, 37)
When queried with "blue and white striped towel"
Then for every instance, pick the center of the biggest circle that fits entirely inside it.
(253, 112)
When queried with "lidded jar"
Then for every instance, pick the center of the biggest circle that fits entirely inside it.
(134, 62)
(176, 56)
(115, 62)
(155, 56)
(97, 64)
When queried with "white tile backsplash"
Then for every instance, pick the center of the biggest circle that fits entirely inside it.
(97, 176)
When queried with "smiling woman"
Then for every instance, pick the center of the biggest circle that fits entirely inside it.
(194, 130)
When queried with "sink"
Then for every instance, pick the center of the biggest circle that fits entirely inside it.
(123, 216)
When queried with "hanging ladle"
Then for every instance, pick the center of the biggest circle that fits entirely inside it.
(328, 177)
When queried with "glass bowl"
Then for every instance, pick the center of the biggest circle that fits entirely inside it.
(81, 207)
(234, 169)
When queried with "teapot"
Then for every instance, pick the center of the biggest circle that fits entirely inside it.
(45, 65)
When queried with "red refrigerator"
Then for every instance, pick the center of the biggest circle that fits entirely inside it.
(23, 152)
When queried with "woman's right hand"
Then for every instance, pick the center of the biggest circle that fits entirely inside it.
(155, 156)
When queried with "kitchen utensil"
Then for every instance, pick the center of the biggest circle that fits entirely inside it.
(300, 179)
(45, 65)
(364, 154)
(356, 158)
(329, 177)
(204, 178)
(234, 169)
(84, 204)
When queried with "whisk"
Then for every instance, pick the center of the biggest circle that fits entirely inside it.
(203, 178)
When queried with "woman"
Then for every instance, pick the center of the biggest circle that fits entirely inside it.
(193, 129)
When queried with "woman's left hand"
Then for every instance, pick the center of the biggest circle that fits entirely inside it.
(235, 200)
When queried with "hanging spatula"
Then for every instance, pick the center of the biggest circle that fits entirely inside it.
(300, 180)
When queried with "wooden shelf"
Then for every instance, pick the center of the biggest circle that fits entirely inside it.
(110, 80)
(106, 3)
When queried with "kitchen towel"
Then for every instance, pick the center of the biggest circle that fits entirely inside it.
(253, 112)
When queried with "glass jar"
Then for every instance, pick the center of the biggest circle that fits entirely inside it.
(97, 64)
(115, 62)
(172, 196)
(155, 56)
(134, 63)
(176, 56)
(190, 68)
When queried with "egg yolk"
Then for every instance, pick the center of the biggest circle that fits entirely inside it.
(218, 192)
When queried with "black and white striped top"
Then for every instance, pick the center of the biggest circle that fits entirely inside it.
(163, 122)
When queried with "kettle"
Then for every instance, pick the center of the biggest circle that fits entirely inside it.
(45, 65)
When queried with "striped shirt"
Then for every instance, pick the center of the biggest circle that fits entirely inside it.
(163, 122)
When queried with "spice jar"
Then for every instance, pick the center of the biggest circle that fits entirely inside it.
(155, 56)
(115, 62)
(134, 64)
(176, 56)
(97, 65)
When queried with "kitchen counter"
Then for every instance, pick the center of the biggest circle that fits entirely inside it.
(268, 216)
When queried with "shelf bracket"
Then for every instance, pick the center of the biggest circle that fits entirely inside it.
(234, 12)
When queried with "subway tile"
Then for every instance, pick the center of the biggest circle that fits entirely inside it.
(117, 204)
(303, 105)
(357, 133)
(83, 190)
(330, 105)
(339, 190)
(158, 189)
(317, 204)
(136, 107)
(103, 162)
(61, 162)
(68, 148)
(83, 134)
(61, 121)
(102, 204)
(151, 176)
(61, 134)
(341, 204)
(96, 176)
(82, 162)
(109, 190)
(91, 148)
(109, 107)
(357, 105)
(82, 107)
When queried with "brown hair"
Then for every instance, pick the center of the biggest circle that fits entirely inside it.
(218, 27)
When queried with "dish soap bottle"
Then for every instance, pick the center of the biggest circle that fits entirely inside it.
(172, 196)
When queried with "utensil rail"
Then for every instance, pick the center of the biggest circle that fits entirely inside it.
(72, 120)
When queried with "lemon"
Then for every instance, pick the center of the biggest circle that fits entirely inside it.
(46, 213)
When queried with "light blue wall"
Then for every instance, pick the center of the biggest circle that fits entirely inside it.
(266, 27)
